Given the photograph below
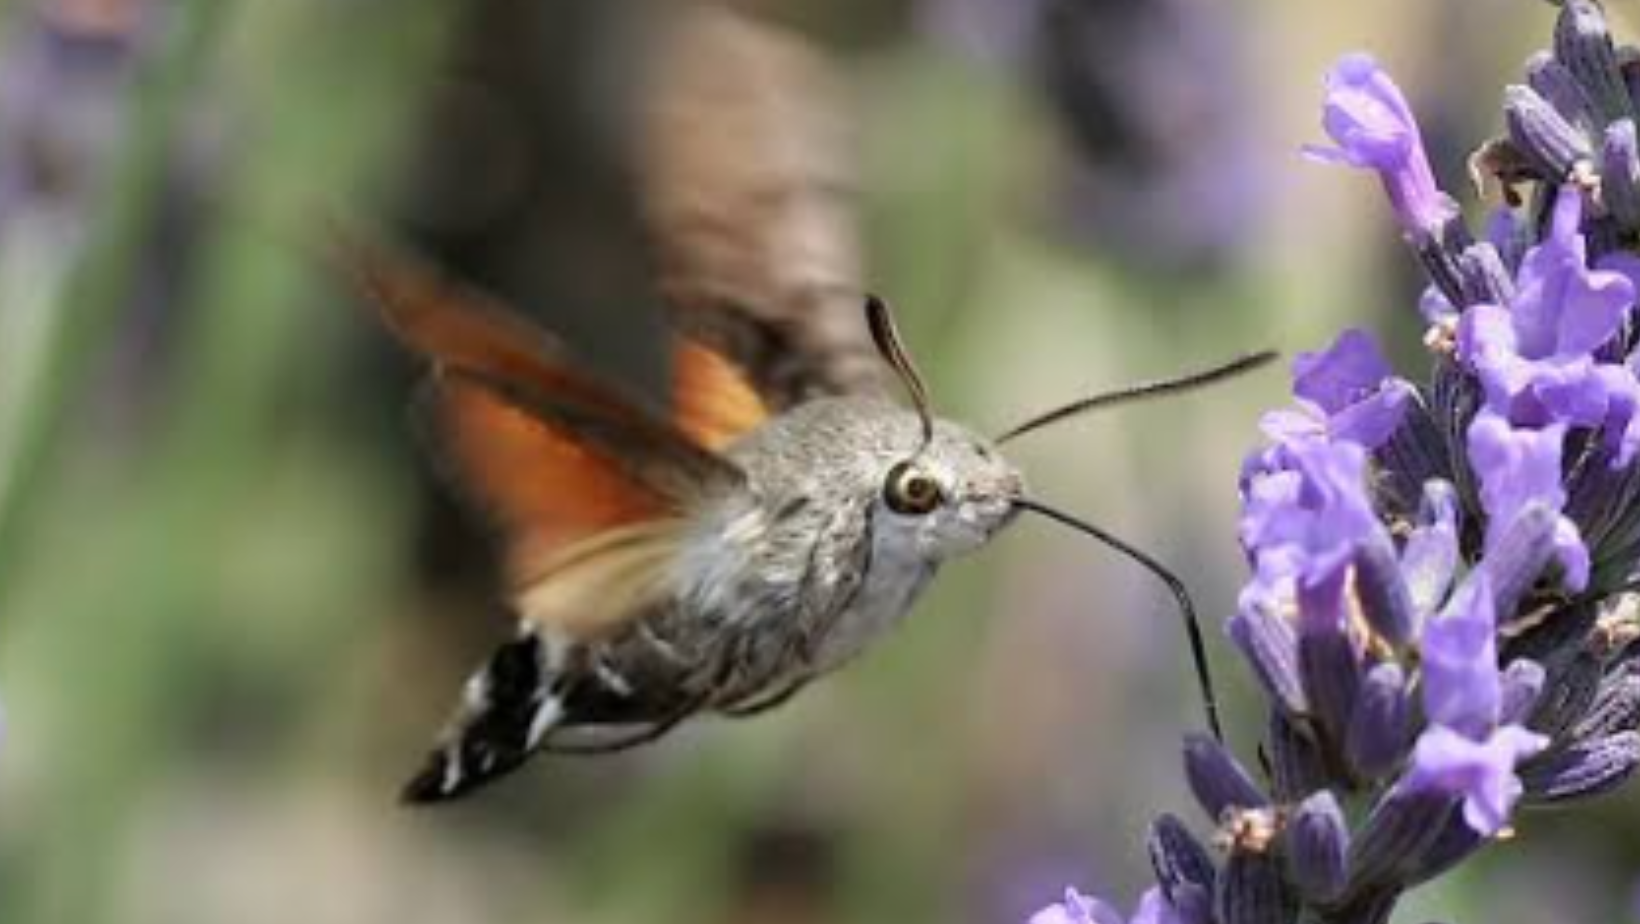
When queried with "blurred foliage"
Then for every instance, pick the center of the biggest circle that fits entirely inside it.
(234, 606)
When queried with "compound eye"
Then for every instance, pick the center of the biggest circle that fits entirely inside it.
(911, 491)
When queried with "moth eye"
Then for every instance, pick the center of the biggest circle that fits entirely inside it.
(911, 491)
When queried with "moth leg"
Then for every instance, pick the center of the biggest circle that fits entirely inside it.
(753, 705)
(641, 735)
(645, 632)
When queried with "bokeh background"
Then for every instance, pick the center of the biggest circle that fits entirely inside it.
(234, 605)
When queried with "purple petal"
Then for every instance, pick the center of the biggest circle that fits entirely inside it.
(1372, 421)
(1366, 115)
(1460, 661)
(1313, 513)
(1516, 467)
(1154, 909)
(1482, 773)
(1434, 307)
(1429, 560)
(1344, 373)
(1594, 303)
(1077, 909)
(1521, 468)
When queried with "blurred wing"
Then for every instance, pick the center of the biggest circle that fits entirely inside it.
(747, 187)
(550, 454)
(541, 486)
(712, 401)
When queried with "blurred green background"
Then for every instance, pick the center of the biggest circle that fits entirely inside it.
(234, 606)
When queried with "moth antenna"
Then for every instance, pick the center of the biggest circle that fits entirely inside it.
(1192, 626)
(1187, 382)
(892, 348)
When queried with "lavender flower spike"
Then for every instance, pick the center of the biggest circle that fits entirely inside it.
(1370, 121)
(1444, 602)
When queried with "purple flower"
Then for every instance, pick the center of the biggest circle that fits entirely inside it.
(1481, 772)
(1303, 526)
(1464, 752)
(1536, 357)
(1346, 392)
(1403, 538)
(1370, 121)
(1307, 518)
(1519, 469)
(1081, 909)
(1460, 662)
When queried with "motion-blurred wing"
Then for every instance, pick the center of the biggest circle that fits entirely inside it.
(551, 455)
(747, 185)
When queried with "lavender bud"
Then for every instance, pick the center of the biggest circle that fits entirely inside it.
(1430, 558)
(1486, 280)
(1379, 588)
(1582, 770)
(1297, 766)
(1584, 45)
(1269, 644)
(1519, 689)
(1547, 140)
(1183, 868)
(1318, 844)
(1452, 846)
(1379, 728)
(1439, 254)
(1525, 549)
(1568, 697)
(1555, 83)
(1217, 779)
(1600, 494)
(1620, 173)
(1252, 892)
(1332, 676)
(1400, 828)
(1414, 456)
(1616, 707)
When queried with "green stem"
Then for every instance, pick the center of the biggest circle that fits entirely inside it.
(88, 307)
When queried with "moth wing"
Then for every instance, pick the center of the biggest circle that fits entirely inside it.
(556, 459)
(746, 182)
(541, 486)
(605, 582)
(713, 402)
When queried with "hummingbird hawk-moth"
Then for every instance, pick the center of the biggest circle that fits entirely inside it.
(720, 554)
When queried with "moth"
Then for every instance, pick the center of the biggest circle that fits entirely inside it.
(783, 510)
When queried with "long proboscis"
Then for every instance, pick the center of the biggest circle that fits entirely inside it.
(1144, 390)
(1187, 609)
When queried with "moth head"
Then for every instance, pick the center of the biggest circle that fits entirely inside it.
(951, 490)
(951, 495)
